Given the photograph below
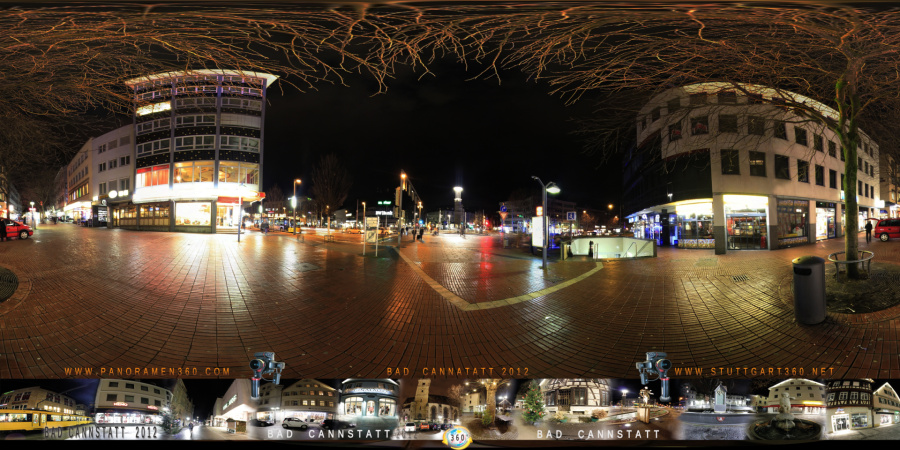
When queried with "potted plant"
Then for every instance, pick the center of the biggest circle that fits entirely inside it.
(597, 414)
(560, 417)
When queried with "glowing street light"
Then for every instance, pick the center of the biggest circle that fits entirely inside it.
(400, 206)
(294, 204)
(552, 188)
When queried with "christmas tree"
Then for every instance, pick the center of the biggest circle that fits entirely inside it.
(534, 404)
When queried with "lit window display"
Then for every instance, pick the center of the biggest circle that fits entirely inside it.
(387, 407)
(694, 225)
(825, 220)
(234, 172)
(859, 420)
(152, 176)
(793, 222)
(745, 221)
(195, 213)
(353, 406)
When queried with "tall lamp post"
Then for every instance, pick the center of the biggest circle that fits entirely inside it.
(457, 208)
(294, 203)
(400, 206)
(552, 188)
(33, 223)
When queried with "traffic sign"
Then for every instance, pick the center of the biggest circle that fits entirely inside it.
(503, 215)
(570, 215)
(503, 208)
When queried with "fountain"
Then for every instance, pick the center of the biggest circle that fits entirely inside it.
(784, 426)
(721, 422)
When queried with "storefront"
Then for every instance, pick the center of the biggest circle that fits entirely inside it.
(885, 417)
(840, 421)
(694, 225)
(130, 416)
(78, 211)
(646, 226)
(826, 216)
(370, 398)
(745, 221)
(793, 222)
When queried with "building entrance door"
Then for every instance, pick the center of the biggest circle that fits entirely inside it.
(227, 216)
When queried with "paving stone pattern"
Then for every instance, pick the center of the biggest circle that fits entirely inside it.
(115, 298)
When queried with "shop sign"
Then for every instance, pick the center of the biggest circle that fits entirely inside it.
(152, 407)
(120, 404)
(230, 401)
(369, 391)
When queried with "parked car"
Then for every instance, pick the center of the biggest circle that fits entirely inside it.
(384, 231)
(886, 229)
(331, 424)
(18, 229)
(291, 422)
(260, 423)
(424, 426)
(410, 427)
(446, 426)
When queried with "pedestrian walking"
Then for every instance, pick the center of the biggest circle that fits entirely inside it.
(868, 231)
(191, 427)
(422, 234)
(2, 229)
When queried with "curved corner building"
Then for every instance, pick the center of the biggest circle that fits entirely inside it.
(198, 149)
(720, 168)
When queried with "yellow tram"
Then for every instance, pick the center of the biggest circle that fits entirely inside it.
(28, 420)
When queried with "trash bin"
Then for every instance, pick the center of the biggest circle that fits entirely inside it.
(809, 289)
(564, 250)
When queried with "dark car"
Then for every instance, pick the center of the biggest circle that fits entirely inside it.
(446, 426)
(260, 423)
(19, 229)
(886, 229)
(331, 424)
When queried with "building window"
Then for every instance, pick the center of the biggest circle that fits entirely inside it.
(698, 99)
(832, 179)
(129, 385)
(101, 149)
(229, 102)
(654, 115)
(193, 102)
(113, 384)
(818, 143)
(129, 398)
(832, 149)
(195, 143)
(675, 131)
(101, 167)
(820, 175)
(125, 160)
(145, 388)
(110, 397)
(731, 162)
(102, 188)
(758, 164)
(155, 176)
(754, 99)
(195, 120)
(113, 163)
(145, 401)
(193, 213)
(780, 130)
(859, 188)
(673, 105)
(246, 144)
(802, 171)
(728, 123)
(699, 125)
(729, 97)
(153, 147)
(782, 167)
(800, 136)
(756, 125)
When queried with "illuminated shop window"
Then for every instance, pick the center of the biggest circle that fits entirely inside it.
(193, 213)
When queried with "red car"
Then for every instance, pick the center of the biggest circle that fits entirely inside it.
(19, 229)
(887, 228)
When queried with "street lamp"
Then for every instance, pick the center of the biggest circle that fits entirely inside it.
(457, 201)
(552, 188)
(33, 223)
(624, 393)
(294, 203)
(400, 206)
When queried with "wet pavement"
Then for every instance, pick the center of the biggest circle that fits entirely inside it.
(104, 299)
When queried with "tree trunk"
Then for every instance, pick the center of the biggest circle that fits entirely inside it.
(848, 103)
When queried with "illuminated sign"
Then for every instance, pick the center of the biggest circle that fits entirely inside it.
(540, 211)
(113, 194)
(369, 391)
(152, 407)
(120, 404)
(808, 402)
(383, 213)
(230, 401)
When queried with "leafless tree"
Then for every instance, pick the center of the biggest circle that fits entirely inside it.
(330, 185)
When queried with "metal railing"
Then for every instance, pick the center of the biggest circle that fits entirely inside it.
(867, 260)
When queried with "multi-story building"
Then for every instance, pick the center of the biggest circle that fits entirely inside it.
(849, 405)
(759, 403)
(886, 405)
(309, 399)
(269, 403)
(578, 396)
(807, 396)
(181, 406)
(890, 186)
(435, 408)
(715, 168)
(130, 401)
(236, 407)
(78, 186)
(521, 211)
(369, 397)
(198, 148)
(474, 401)
(35, 398)
(113, 156)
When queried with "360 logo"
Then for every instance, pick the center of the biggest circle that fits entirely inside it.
(457, 438)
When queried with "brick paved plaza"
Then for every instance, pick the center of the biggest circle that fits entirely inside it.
(114, 298)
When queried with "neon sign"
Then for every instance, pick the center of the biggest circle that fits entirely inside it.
(120, 404)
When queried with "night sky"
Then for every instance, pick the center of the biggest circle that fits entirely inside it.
(443, 131)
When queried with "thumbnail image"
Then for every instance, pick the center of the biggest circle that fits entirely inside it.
(862, 409)
(715, 409)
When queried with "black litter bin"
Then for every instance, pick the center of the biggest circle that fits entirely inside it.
(809, 289)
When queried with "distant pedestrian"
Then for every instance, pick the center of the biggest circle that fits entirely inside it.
(868, 231)
(422, 234)
(191, 427)
(2, 229)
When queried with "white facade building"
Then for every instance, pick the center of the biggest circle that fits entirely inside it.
(886, 405)
(113, 167)
(741, 174)
(578, 396)
(129, 401)
(807, 396)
